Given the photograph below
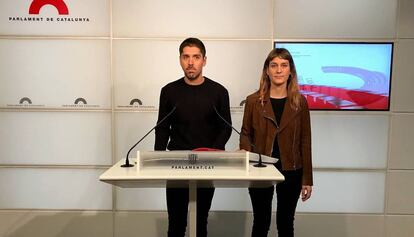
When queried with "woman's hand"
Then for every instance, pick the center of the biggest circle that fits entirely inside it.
(306, 192)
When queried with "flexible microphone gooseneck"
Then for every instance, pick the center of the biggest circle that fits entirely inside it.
(127, 164)
(260, 163)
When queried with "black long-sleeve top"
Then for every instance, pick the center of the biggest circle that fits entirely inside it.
(278, 105)
(194, 123)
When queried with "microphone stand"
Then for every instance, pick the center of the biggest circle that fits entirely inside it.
(127, 164)
(259, 163)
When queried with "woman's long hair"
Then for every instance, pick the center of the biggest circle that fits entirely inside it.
(293, 94)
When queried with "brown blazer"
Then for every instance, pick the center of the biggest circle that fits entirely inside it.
(259, 124)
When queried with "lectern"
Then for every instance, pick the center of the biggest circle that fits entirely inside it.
(193, 169)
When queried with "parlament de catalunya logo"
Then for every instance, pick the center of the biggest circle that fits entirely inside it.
(80, 103)
(135, 103)
(25, 102)
(35, 15)
(25, 99)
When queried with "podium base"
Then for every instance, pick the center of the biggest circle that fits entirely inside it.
(260, 165)
(127, 165)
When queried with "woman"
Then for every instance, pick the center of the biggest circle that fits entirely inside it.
(276, 121)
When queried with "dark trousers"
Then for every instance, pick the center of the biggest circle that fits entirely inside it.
(177, 205)
(288, 193)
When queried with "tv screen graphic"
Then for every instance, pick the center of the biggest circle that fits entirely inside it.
(344, 75)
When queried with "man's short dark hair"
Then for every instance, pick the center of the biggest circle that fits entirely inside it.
(193, 42)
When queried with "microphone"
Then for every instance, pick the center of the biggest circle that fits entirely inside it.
(127, 164)
(260, 163)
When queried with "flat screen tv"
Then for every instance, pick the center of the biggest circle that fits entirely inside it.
(343, 75)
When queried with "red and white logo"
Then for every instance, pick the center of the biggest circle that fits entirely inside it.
(60, 5)
(35, 15)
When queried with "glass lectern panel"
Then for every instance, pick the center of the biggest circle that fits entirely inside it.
(192, 160)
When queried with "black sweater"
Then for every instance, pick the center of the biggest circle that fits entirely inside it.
(194, 123)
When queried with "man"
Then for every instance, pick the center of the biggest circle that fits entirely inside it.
(193, 124)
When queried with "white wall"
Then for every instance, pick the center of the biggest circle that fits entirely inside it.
(52, 151)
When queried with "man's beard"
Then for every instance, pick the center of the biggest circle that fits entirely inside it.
(192, 76)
